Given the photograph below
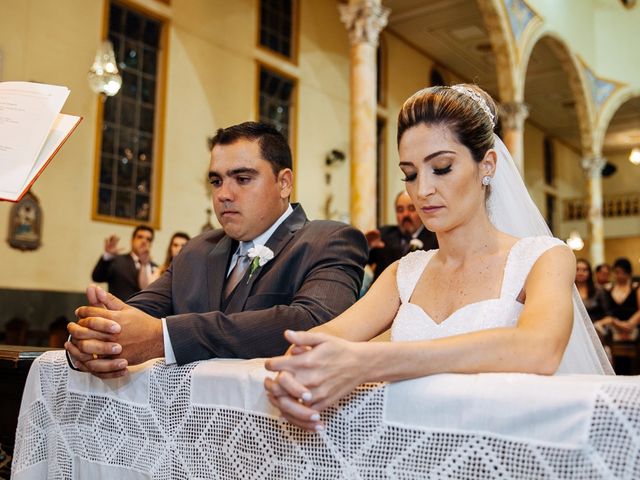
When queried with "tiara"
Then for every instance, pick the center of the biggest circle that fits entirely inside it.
(475, 96)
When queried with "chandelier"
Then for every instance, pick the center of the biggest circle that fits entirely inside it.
(103, 74)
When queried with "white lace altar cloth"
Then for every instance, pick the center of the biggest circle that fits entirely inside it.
(211, 420)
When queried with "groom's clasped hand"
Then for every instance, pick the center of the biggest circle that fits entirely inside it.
(109, 335)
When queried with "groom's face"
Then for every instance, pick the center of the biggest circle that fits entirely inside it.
(248, 197)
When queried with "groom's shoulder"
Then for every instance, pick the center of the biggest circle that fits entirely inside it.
(329, 237)
(205, 240)
(328, 227)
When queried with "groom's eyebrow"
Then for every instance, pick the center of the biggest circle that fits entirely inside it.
(431, 156)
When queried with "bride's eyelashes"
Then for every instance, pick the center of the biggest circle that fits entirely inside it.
(410, 177)
(442, 171)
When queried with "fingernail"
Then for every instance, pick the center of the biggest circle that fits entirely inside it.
(306, 396)
(121, 365)
(116, 349)
(315, 417)
(115, 328)
(319, 428)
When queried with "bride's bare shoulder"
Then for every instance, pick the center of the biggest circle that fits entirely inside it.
(557, 260)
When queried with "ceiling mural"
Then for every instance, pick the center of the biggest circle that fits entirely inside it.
(520, 16)
(455, 34)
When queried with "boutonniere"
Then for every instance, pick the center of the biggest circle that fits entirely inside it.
(260, 255)
(415, 244)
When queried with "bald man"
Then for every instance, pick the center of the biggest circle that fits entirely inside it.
(392, 242)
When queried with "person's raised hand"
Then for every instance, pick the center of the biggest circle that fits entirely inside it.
(374, 239)
(111, 245)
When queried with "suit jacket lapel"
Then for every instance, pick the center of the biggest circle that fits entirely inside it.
(131, 269)
(217, 263)
(280, 238)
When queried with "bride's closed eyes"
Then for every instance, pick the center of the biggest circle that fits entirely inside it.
(410, 177)
(442, 171)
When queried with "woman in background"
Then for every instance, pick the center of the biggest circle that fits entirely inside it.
(621, 307)
(592, 296)
(178, 240)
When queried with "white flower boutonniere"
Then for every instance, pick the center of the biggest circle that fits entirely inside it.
(415, 244)
(260, 255)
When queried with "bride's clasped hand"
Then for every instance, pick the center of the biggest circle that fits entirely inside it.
(326, 369)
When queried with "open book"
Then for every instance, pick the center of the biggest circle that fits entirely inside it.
(32, 130)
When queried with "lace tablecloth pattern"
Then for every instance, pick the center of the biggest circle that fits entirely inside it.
(212, 420)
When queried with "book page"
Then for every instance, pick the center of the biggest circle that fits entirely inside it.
(63, 126)
(27, 112)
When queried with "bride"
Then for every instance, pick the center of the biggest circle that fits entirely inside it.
(497, 296)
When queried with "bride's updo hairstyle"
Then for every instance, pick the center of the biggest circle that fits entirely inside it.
(468, 111)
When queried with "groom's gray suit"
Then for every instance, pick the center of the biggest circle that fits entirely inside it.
(315, 275)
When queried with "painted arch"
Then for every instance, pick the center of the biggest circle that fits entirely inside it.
(573, 68)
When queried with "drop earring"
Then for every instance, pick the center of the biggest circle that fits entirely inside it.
(486, 180)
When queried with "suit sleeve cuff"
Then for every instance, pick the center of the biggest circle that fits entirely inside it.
(169, 356)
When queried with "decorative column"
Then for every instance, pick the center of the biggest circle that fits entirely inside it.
(593, 169)
(513, 115)
(364, 20)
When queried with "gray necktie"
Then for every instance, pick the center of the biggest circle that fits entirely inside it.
(242, 264)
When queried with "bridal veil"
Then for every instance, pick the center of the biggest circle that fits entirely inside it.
(512, 211)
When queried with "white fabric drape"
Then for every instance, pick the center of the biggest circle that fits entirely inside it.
(212, 420)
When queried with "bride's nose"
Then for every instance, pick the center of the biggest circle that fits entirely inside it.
(426, 185)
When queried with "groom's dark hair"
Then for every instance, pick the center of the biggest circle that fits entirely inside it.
(273, 146)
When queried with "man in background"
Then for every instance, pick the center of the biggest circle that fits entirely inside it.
(126, 273)
(391, 242)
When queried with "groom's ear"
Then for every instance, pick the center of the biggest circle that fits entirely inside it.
(285, 182)
(488, 163)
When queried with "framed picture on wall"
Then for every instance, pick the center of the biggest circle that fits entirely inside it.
(25, 223)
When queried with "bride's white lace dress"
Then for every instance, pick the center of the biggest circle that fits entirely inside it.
(413, 323)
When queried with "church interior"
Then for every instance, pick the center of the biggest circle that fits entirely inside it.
(565, 74)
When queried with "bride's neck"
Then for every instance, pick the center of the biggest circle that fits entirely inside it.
(478, 237)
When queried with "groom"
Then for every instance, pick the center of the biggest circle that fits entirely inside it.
(217, 299)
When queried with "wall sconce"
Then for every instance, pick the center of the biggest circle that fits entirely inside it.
(103, 74)
(574, 241)
(634, 156)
